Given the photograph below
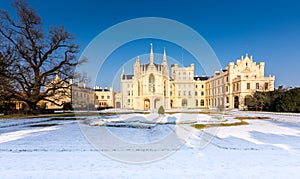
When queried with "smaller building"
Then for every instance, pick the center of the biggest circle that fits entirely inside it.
(104, 97)
(76, 95)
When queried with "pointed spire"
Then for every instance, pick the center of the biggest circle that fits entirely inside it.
(138, 60)
(151, 54)
(165, 56)
(123, 71)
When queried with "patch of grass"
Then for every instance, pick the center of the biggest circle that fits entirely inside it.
(202, 126)
(251, 118)
(43, 125)
(17, 116)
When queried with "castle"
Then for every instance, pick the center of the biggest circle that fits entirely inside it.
(151, 86)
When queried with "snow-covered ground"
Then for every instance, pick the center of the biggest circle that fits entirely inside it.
(61, 148)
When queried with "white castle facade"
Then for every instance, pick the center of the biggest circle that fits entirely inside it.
(151, 86)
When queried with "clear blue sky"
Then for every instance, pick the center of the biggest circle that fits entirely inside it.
(270, 31)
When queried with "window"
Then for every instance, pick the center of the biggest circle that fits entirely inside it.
(197, 102)
(184, 93)
(257, 85)
(151, 83)
(202, 102)
(248, 85)
(196, 86)
(227, 79)
(202, 86)
(226, 88)
(184, 102)
(102, 97)
(202, 93)
(170, 93)
(266, 86)
(189, 93)
(196, 93)
(108, 97)
(128, 93)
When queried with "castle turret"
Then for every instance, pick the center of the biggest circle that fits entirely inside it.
(151, 54)
(165, 56)
(137, 67)
(261, 68)
(165, 67)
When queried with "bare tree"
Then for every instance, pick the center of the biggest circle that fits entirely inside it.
(33, 56)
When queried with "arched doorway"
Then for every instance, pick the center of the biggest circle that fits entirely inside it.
(184, 102)
(236, 102)
(157, 103)
(146, 104)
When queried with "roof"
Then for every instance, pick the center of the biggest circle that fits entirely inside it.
(102, 90)
(200, 78)
(156, 65)
(128, 77)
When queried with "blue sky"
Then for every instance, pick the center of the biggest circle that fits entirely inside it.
(270, 31)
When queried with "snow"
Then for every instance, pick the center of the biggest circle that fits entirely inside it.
(58, 147)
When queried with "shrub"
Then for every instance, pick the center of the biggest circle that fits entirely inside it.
(161, 110)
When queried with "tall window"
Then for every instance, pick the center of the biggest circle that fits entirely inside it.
(257, 85)
(139, 88)
(266, 86)
(197, 102)
(151, 83)
(248, 85)
(202, 102)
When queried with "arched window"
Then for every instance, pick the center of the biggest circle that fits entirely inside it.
(197, 102)
(165, 88)
(139, 88)
(151, 83)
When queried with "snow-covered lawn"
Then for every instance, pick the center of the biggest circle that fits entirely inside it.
(58, 147)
